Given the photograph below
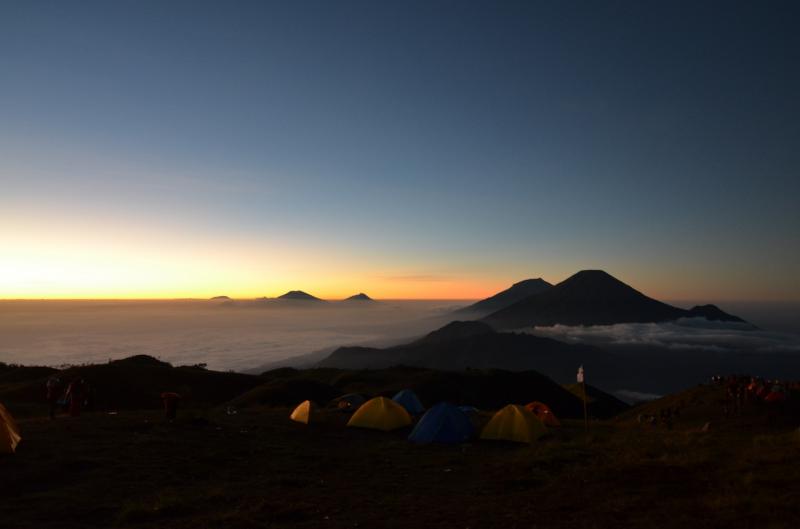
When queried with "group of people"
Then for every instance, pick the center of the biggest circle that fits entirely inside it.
(741, 390)
(79, 395)
(72, 397)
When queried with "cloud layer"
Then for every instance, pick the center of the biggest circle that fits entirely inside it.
(683, 334)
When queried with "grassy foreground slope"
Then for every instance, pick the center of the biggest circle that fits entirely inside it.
(257, 469)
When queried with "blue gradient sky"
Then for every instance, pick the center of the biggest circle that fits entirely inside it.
(431, 149)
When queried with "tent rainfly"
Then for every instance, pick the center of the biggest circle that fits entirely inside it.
(380, 413)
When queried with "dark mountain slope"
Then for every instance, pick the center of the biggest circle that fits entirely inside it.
(465, 345)
(501, 300)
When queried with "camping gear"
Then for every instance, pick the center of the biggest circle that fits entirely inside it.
(349, 402)
(444, 423)
(302, 413)
(380, 413)
(544, 413)
(514, 423)
(9, 432)
(409, 400)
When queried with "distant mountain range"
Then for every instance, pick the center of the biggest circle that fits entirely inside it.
(592, 297)
(295, 298)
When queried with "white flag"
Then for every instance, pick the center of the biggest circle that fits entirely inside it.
(580, 375)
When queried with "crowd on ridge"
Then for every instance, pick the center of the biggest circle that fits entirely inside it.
(741, 390)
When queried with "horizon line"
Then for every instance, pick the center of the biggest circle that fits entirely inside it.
(255, 298)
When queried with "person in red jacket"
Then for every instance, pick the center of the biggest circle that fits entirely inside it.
(75, 396)
(170, 405)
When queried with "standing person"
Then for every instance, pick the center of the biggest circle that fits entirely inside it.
(53, 393)
(170, 405)
(75, 396)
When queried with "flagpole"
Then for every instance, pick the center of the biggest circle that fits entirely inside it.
(585, 408)
(582, 382)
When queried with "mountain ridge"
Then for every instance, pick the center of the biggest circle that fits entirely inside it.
(594, 297)
(516, 292)
(299, 295)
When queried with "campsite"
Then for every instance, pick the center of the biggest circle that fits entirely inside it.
(418, 264)
(251, 465)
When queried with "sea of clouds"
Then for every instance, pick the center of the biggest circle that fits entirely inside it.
(683, 334)
(239, 336)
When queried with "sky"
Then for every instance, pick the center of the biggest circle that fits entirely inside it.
(427, 149)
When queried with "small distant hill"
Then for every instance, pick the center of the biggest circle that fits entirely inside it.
(131, 383)
(299, 295)
(359, 297)
(517, 292)
(220, 298)
(593, 297)
(713, 313)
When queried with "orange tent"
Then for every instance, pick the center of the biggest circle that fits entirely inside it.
(514, 423)
(9, 432)
(302, 413)
(380, 413)
(544, 413)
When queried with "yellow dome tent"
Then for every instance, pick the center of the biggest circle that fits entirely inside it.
(380, 413)
(544, 413)
(302, 413)
(514, 423)
(9, 432)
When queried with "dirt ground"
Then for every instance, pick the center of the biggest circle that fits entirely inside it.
(257, 469)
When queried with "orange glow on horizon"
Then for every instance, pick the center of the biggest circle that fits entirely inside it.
(51, 260)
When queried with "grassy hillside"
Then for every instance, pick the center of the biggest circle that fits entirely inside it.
(257, 469)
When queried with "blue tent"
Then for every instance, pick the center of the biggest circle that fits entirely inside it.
(444, 423)
(408, 399)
